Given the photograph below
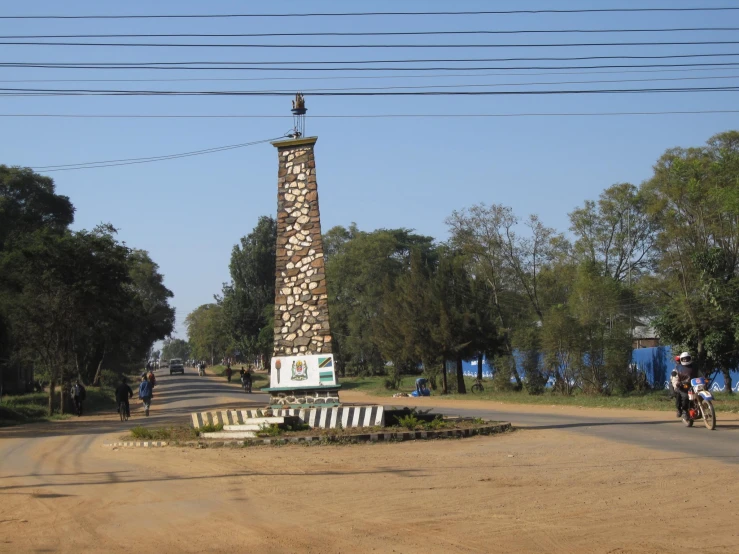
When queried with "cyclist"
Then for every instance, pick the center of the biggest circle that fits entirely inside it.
(122, 393)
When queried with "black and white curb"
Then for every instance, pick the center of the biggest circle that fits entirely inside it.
(323, 418)
(136, 444)
(388, 436)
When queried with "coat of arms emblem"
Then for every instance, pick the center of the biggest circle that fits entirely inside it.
(300, 370)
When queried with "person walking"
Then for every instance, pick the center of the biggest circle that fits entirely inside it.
(78, 397)
(145, 393)
(228, 372)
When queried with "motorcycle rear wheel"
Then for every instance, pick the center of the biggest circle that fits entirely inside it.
(709, 415)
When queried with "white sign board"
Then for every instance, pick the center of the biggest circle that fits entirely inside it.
(291, 372)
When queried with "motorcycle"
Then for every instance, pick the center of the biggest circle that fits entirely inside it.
(201, 371)
(700, 404)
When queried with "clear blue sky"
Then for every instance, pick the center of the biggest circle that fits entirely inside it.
(188, 213)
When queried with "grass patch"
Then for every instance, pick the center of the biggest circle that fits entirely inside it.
(258, 380)
(34, 406)
(653, 400)
(170, 434)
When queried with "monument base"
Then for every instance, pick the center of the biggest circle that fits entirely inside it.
(326, 396)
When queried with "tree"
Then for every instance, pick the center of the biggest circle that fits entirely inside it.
(28, 203)
(357, 271)
(246, 301)
(617, 232)
(59, 282)
(175, 348)
(694, 196)
(510, 264)
(208, 334)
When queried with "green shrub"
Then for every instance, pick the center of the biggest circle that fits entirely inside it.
(141, 433)
(437, 423)
(409, 422)
(210, 428)
(270, 431)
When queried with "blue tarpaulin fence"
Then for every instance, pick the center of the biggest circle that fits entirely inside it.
(656, 363)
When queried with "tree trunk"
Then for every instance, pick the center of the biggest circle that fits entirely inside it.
(461, 389)
(99, 372)
(444, 383)
(727, 380)
(479, 366)
(52, 391)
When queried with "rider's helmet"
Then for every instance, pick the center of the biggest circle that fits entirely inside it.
(123, 379)
(685, 358)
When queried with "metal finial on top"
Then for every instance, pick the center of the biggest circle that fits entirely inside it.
(299, 111)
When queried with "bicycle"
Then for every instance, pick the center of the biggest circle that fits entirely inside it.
(122, 411)
(477, 386)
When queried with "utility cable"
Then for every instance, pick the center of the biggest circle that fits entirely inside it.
(369, 46)
(129, 65)
(478, 85)
(375, 33)
(100, 92)
(132, 161)
(370, 69)
(365, 14)
(367, 116)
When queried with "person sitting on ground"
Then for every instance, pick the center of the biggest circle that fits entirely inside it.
(681, 377)
(122, 393)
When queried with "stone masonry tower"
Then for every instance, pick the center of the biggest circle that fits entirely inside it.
(301, 299)
(302, 372)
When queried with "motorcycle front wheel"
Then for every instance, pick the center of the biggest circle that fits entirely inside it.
(709, 415)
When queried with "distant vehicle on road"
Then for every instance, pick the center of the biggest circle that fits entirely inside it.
(176, 366)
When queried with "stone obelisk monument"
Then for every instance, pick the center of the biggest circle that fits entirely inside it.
(302, 372)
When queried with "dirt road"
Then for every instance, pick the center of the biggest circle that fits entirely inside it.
(536, 490)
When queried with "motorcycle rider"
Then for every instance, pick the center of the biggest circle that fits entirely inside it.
(681, 377)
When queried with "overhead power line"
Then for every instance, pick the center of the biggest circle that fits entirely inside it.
(101, 92)
(365, 14)
(366, 46)
(377, 33)
(128, 65)
(508, 84)
(365, 77)
(370, 69)
(132, 161)
(367, 116)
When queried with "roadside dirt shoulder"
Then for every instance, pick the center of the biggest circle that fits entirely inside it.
(442, 402)
(527, 491)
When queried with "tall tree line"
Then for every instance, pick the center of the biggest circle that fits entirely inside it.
(541, 303)
(71, 302)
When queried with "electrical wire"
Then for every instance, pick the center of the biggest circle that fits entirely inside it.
(369, 69)
(365, 14)
(100, 92)
(477, 85)
(375, 33)
(368, 116)
(132, 161)
(137, 65)
(365, 46)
